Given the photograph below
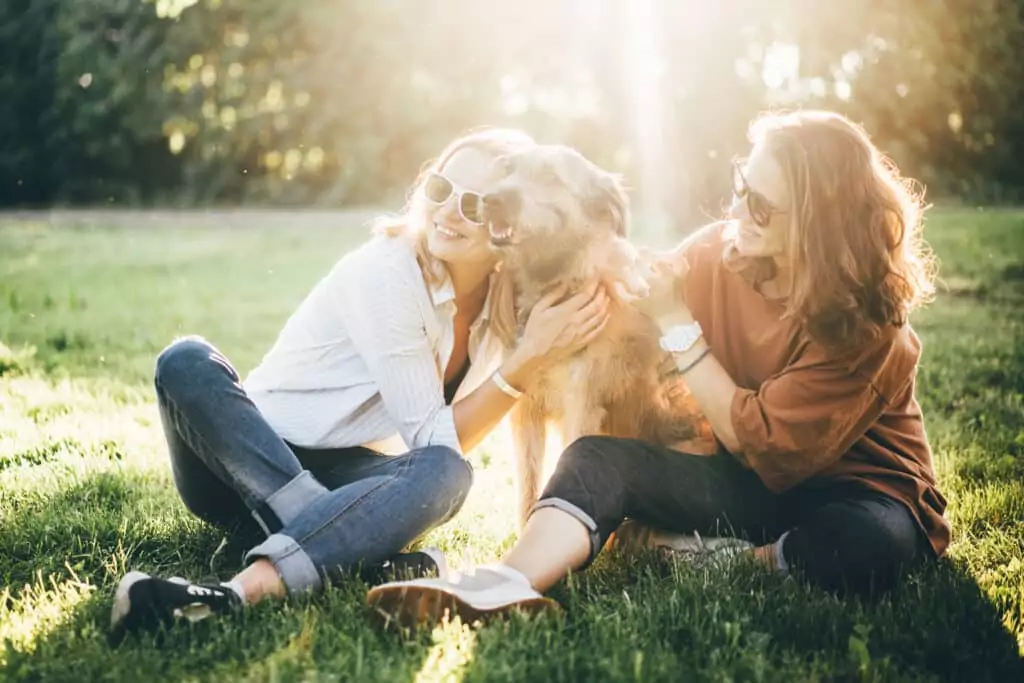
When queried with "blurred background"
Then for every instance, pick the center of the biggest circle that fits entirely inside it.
(331, 103)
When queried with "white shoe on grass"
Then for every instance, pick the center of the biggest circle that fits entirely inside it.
(486, 593)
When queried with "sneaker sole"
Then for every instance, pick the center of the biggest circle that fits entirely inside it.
(412, 607)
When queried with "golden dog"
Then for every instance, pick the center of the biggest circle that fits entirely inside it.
(559, 219)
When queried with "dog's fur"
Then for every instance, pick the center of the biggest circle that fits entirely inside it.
(558, 218)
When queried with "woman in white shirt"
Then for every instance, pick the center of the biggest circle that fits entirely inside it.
(398, 346)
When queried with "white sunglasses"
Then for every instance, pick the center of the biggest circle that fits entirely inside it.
(437, 189)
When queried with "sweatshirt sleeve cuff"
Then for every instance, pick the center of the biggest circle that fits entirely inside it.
(747, 422)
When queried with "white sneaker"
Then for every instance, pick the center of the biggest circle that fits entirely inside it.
(486, 593)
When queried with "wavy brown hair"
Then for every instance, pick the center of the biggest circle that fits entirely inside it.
(858, 260)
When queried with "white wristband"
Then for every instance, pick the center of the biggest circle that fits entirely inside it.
(505, 386)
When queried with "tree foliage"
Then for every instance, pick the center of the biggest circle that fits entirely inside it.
(191, 102)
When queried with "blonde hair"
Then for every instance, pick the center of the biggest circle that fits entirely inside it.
(858, 260)
(410, 224)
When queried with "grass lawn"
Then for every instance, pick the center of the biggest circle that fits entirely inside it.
(86, 492)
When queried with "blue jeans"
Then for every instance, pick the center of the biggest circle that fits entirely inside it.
(323, 511)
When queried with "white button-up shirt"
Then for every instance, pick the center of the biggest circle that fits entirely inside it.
(361, 362)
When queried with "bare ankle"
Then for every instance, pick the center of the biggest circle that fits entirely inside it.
(261, 580)
(765, 555)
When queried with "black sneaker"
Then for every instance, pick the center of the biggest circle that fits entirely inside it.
(142, 601)
(423, 564)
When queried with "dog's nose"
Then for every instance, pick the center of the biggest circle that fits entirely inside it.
(492, 200)
(502, 203)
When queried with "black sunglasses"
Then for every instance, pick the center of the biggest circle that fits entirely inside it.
(761, 210)
(438, 189)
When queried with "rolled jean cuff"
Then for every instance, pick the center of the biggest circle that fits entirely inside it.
(581, 516)
(288, 501)
(297, 571)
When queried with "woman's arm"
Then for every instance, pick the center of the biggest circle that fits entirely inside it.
(796, 423)
(387, 330)
(713, 389)
(803, 419)
(552, 332)
(706, 379)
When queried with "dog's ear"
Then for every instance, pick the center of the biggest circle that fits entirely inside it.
(608, 202)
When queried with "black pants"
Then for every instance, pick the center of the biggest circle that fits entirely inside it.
(840, 537)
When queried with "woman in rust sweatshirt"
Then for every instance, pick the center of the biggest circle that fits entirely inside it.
(789, 323)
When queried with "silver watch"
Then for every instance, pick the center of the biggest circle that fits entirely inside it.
(681, 338)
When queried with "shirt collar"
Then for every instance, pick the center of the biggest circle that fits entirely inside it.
(485, 314)
(442, 292)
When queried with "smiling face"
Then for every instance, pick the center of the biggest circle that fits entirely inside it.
(761, 205)
(454, 230)
(552, 204)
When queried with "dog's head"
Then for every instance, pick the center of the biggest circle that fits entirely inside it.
(553, 205)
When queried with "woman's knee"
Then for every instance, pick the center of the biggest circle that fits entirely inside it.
(590, 452)
(590, 476)
(444, 470)
(181, 358)
(862, 546)
(186, 364)
(600, 461)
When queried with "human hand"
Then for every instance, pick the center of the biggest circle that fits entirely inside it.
(665, 303)
(557, 330)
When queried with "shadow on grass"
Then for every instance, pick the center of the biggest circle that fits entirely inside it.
(324, 638)
(107, 517)
(644, 620)
(104, 518)
(625, 619)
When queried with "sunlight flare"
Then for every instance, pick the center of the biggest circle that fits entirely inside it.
(644, 72)
(29, 614)
(450, 655)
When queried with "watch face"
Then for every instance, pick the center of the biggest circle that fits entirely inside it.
(681, 338)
